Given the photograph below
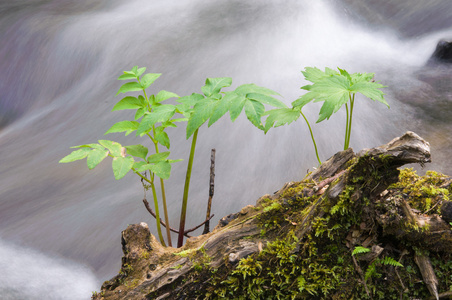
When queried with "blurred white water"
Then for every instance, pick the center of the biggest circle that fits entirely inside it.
(30, 275)
(60, 65)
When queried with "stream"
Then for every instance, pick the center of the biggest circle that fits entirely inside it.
(60, 224)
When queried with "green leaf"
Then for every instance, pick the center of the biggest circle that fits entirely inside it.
(127, 76)
(313, 74)
(172, 161)
(245, 89)
(162, 137)
(191, 100)
(95, 157)
(265, 99)
(127, 126)
(141, 166)
(148, 79)
(387, 260)
(254, 111)
(370, 90)
(140, 112)
(362, 77)
(222, 107)
(139, 71)
(214, 85)
(161, 169)
(236, 106)
(129, 87)
(158, 157)
(121, 166)
(164, 95)
(202, 111)
(161, 113)
(114, 147)
(280, 116)
(94, 146)
(128, 103)
(335, 91)
(303, 100)
(76, 155)
(359, 250)
(137, 151)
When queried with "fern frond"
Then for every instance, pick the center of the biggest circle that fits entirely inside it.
(359, 250)
(391, 261)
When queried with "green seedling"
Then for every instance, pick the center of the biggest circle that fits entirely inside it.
(155, 117)
(334, 89)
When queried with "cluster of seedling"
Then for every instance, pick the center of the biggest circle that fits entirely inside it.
(154, 114)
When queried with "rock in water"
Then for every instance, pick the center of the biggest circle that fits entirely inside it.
(443, 53)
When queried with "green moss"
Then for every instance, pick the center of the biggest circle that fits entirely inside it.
(422, 192)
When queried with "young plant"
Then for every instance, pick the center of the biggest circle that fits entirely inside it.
(334, 88)
(153, 116)
(212, 105)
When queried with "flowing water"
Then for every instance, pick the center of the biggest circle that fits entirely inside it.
(60, 224)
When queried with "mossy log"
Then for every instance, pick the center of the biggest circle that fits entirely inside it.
(346, 231)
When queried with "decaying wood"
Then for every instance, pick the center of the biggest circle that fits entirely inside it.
(167, 273)
(428, 274)
(211, 191)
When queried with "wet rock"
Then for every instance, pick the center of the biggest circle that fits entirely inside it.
(442, 54)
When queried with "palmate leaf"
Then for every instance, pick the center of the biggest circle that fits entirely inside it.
(245, 89)
(254, 111)
(336, 89)
(222, 107)
(370, 90)
(303, 100)
(202, 111)
(314, 74)
(265, 99)
(214, 85)
(280, 117)
(236, 105)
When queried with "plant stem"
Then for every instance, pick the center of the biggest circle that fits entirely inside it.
(312, 137)
(352, 103)
(180, 239)
(154, 195)
(159, 230)
(165, 211)
(162, 185)
(346, 129)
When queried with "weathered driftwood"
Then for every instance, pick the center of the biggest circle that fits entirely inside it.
(150, 271)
